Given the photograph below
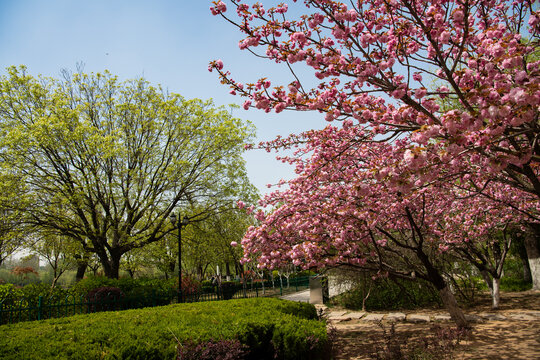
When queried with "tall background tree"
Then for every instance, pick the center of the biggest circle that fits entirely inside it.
(107, 161)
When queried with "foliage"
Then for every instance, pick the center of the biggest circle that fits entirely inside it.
(130, 287)
(57, 251)
(515, 284)
(302, 273)
(24, 272)
(395, 182)
(513, 267)
(208, 243)
(104, 298)
(107, 162)
(467, 287)
(256, 323)
(10, 294)
(32, 292)
(190, 285)
(13, 198)
(229, 288)
(212, 350)
(386, 294)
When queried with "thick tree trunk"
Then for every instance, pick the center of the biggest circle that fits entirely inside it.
(200, 271)
(453, 308)
(446, 294)
(522, 252)
(228, 271)
(495, 293)
(82, 265)
(527, 276)
(532, 245)
(111, 265)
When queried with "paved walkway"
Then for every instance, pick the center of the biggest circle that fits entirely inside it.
(301, 296)
(337, 316)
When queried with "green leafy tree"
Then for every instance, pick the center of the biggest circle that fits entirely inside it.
(162, 255)
(208, 242)
(57, 250)
(12, 199)
(107, 161)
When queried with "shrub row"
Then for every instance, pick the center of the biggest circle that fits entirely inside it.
(131, 288)
(401, 294)
(266, 329)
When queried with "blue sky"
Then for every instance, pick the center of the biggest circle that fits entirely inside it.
(169, 42)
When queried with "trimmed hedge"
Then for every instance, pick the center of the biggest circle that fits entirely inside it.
(269, 328)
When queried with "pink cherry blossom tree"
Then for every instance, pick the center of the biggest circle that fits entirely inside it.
(375, 62)
(356, 203)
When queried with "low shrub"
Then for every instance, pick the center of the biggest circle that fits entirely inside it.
(264, 326)
(10, 293)
(303, 273)
(212, 350)
(29, 294)
(132, 288)
(390, 295)
(229, 288)
(208, 287)
(514, 284)
(84, 286)
(105, 298)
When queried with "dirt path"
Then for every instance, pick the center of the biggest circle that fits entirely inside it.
(512, 332)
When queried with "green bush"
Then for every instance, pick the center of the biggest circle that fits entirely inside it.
(514, 284)
(84, 286)
(208, 287)
(304, 273)
(212, 350)
(29, 294)
(389, 295)
(9, 294)
(132, 288)
(513, 267)
(229, 288)
(266, 326)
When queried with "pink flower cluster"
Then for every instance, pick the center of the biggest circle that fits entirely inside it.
(407, 150)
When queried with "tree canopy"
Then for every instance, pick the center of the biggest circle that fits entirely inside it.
(402, 171)
(107, 161)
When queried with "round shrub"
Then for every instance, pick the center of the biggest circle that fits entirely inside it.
(228, 289)
(104, 299)
(83, 287)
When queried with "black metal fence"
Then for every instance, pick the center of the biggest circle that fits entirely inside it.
(16, 310)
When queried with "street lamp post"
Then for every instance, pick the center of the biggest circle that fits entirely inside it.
(182, 222)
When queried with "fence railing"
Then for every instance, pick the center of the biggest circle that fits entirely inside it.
(17, 310)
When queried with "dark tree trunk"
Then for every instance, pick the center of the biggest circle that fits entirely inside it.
(170, 268)
(446, 294)
(82, 265)
(111, 264)
(200, 271)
